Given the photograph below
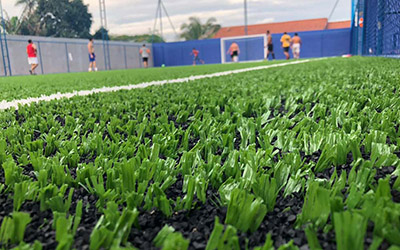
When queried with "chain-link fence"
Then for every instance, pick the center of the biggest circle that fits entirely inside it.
(64, 55)
(377, 27)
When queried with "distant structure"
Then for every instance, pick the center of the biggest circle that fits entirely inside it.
(291, 26)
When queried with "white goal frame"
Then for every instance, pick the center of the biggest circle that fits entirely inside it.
(223, 49)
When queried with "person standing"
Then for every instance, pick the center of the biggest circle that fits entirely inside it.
(195, 53)
(296, 44)
(234, 51)
(286, 40)
(92, 56)
(31, 50)
(269, 47)
(145, 52)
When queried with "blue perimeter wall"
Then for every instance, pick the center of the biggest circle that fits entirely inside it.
(315, 44)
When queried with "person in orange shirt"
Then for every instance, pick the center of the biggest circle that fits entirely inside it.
(286, 40)
(234, 51)
(296, 44)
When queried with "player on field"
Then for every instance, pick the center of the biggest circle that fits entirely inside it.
(286, 40)
(31, 50)
(195, 53)
(92, 56)
(145, 52)
(296, 44)
(269, 46)
(234, 51)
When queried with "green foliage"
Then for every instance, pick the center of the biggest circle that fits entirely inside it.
(64, 18)
(195, 30)
(145, 38)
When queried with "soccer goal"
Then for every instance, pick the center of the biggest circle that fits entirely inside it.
(251, 48)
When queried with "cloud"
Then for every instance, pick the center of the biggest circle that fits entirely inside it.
(137, 16)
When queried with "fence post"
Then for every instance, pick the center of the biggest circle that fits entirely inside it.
(66, 53)
(140, 57)
(126, 62)
(40, 56)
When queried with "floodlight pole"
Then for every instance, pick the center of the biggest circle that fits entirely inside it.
(159, 16)
(331, 14)
(245, 18)
(104, 34)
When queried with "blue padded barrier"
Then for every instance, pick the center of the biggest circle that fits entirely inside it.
(325, 43)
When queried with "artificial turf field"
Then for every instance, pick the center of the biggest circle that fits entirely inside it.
(299, 156)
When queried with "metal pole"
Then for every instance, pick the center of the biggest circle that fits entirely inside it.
(331, 14)
(161, 23)
(245, 18)
(126, 61)
(41, 59)
(166, 13)
(66, 53)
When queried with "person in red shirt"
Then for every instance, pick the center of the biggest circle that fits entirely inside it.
(31, 50)
(234, 51)
(195, 53)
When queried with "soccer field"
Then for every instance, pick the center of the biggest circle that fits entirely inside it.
(297, 156)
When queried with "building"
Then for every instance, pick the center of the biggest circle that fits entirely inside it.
(291, 26)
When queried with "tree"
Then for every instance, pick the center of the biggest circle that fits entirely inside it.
(64, 18)
(29, 6)
(11, 24)
(99, 34)
(195, 30)
(148, 38)
(26, 21)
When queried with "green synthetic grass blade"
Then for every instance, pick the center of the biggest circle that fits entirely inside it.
(312, 239)
(350, 229)
(168, 239)
(221, 239)
(215, 236)
(269, 244)
(13, 228)
(245, 212)
(316, 206)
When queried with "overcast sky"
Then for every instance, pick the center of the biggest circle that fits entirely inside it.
(133, 17)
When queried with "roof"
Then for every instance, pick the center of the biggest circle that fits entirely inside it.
(339, 25)
(291, 26)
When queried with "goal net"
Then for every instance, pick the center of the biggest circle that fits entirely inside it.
(251, 48)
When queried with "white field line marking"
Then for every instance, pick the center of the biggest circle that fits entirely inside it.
(15, 103)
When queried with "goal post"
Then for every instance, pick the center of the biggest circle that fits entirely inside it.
(251, 48)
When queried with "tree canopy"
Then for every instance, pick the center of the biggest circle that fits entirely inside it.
(196, 30)
(57, 18)
(148, 38)
(64, 18)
